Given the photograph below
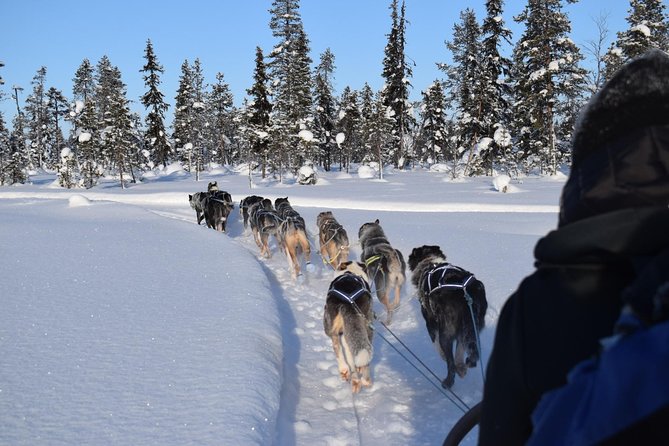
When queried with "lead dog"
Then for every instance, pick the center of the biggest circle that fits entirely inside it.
(442, 290)
(347, 321)
(333, 240)
(384, 264)
(197, 202)
(292, 235)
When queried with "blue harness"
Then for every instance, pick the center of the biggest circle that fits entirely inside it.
(348, 287)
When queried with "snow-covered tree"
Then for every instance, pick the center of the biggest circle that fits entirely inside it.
(648, 28)
(433, 132)
(88, 143)
(37, 121)
(349, 124)
(289, 68)
(5, 153)
(221, 114)
(324, 115)
(155, 136)
(548, 88)
(495, 90)
(201, 149)
(259, 112)
(467, 90)
(397, 72)
(17, 164)
(56, 111)
(184, 115)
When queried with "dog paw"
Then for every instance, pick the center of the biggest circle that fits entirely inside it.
(471, 362)
(447, 383)
(356, 385)
(310, 268)
(461, 370)
(345, 375)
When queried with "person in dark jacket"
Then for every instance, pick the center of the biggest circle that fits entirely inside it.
(614, 216)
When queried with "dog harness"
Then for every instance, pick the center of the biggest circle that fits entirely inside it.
(436, 278)
(349, 287)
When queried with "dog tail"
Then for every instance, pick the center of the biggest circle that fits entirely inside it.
(356, 338)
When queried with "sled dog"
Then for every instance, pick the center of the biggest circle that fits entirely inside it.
(442, 291)
(197, 202)
(292, 235)
(264, 221)
(347, 321)
(245, 205)
(384, 264)
(333, 240)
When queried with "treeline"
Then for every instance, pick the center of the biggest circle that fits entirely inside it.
(488, 114)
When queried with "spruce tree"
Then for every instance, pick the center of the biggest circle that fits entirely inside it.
(88, 143)
(18, 162)
(648, 28)
(37, 121)
(397, 72)
(548, 86)
(221, 127)
(291, 80)
(349, 125)
(494, 89)
(201, 150)
(433, 134)
(5, 153)
(184, 116)
(155, 136)
(56, 111)
(259, 112)
(324, 115)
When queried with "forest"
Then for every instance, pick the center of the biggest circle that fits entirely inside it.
(488, 114)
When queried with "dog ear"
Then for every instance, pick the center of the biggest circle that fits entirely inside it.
(190, 197)
(376, 221)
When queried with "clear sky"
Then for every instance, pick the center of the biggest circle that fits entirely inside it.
(223, 34)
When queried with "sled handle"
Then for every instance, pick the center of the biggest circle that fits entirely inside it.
(465, 424)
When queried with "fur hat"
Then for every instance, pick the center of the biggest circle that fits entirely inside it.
(621, 144)
(637, 96)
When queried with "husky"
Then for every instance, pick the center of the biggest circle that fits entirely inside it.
(264, 221)
(245, 205)
(217, 208)
(292, 235)
(442, 291)
(347, 321)
(333, 240)
(197, 202)
(212, 186)
(384, 264)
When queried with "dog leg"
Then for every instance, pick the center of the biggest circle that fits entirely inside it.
(365, 378)
(460, 366)
(446, 344)
(341, 361)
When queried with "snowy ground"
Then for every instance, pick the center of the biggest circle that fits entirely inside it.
(124, 322)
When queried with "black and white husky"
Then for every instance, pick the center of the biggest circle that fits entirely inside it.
(347, 321)
(384, 264)
(217, 207)
(443, 291)
(245, 206)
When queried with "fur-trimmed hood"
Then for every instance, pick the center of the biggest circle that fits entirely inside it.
(621, 143)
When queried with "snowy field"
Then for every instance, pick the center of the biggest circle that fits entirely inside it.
(124, 322)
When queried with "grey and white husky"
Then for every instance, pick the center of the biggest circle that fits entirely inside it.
(197, 202)
(441, 291)
(384, 264)
(333, 240)
(347, 321)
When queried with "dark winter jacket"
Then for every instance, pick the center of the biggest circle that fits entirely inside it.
(558, 315)
(614, 216)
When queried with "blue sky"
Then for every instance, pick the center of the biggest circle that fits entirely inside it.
(223, 34)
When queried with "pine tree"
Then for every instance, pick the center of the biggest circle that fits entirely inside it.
(259, 113)
(88, 144)
(349, 124)
(221, 119)
(200, 147)
(290, 72)
(494, 89)
(18, 162)
(5, 153)
(184, 116)
(155, 137)
(433, 134)
(56, 111)
(397, 72)
(548, 86)
(324, 115)
(36, 116)
(466, 89)
(648, 28)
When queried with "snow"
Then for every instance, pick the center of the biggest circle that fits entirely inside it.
(124, 322)
(641, 28)
(306, 136)
(84, 137)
